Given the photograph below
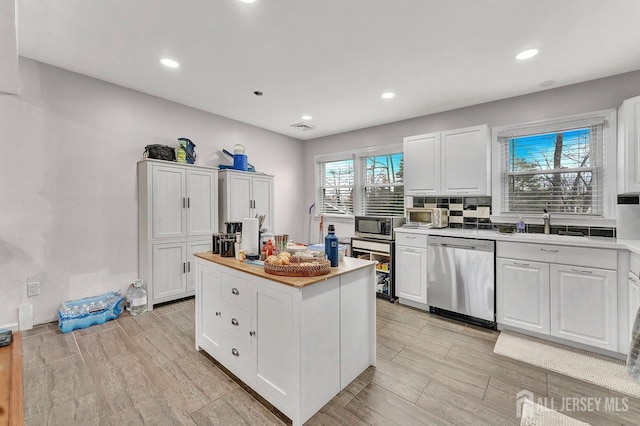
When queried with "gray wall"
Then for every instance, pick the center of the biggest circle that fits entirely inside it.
(68, 181)
(593, 95)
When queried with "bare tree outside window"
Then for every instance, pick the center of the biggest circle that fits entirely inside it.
(383, 191)
(553, 171)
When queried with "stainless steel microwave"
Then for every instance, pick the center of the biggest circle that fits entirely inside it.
(378, 227)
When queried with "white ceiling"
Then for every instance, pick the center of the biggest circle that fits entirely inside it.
(332, 59)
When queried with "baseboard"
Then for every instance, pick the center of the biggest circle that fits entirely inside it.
(13, 326)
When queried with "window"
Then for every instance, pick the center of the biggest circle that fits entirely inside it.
(336, 187)
(382, 187)
(367, 182)
(557, 165)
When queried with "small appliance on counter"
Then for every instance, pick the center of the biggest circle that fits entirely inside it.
(377, 227)
(628, 217)
(427, 217)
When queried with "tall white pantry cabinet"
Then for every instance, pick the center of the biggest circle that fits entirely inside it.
(177, 213)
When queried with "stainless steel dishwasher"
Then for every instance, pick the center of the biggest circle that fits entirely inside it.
(461, 279)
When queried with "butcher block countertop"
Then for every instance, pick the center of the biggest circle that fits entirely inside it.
(345, 266)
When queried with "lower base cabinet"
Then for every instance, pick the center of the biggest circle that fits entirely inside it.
(584, 305)
(522, 295)
(296, 347)
(549, 290)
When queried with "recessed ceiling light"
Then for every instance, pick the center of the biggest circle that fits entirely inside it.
(547, 83)
(248, 1)
(527, 54)
(169, 63)
(306, 117)
(388, 95)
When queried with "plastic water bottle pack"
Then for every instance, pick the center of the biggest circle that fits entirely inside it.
(84, 313)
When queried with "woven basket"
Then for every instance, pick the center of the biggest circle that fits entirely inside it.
(299, 269)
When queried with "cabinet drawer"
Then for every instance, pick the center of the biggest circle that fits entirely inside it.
(568, 255)
(237, 322)
(238, 352)
(411, 240)
(634, 265)
(238, 292)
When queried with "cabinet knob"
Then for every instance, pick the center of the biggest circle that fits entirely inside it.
(235, 352)
(235, 322)
(252, 333)
(235, 291)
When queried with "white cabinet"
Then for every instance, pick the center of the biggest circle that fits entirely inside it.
(8, 48)
(274, 342)
(465, 166)
(183, 201)
(244, 195)
(584, 305)
(411, 274)
(177, 213)
(561, 291)
(295, 346)
(453, 162)
(629, 146)
(422, 164)
(209, 317)
(522, 295)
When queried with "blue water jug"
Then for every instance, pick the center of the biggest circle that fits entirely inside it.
(331, 246)
(240, 161)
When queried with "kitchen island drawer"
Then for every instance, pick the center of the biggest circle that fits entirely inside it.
(568, 255)
(411, 240)
(237, 322)
(238, 292)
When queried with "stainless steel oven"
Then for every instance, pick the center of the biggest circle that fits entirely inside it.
(377, 227)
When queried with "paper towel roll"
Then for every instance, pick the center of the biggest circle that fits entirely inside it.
(250, 235)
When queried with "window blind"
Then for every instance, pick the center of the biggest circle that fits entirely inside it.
(559, 169)
(336, 186)
(382, 187)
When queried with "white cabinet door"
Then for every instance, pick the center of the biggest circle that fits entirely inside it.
(201, 202)
(584, 305)
(466, 161)
(522, 295)
(169, 270)
(274, 342)
(194, 247)
(209, 309)
(422, 164)
(411, 273)
(629, 146)
(239, 197)
(262, 195)
(634, 301)
(169, 199)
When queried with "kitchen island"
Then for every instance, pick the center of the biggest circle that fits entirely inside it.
(296, 341)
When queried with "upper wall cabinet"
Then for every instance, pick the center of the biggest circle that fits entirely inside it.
(629, 146)
(8, 48)
(244, 195)
(453, 162)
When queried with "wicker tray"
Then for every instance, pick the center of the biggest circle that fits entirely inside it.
(303, 269)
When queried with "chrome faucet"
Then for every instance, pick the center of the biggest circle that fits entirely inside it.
(546, 217)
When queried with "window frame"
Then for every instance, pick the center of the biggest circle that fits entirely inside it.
(608, 170)
(359, 175)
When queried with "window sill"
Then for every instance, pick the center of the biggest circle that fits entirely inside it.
(335, 218)
(555, 220)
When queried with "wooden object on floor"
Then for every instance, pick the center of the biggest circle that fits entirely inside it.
(11, 395)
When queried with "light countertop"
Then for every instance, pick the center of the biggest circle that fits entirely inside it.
(348, 264)
(565, 240)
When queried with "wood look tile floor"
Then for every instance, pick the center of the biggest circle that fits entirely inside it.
(144, 370)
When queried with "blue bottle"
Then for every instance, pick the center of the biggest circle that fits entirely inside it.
(331, 246)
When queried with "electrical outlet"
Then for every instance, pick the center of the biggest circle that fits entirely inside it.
(33, 289)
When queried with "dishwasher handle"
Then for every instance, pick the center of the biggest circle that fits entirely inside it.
(458, 246)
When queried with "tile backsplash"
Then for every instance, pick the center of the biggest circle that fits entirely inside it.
(475, 212)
